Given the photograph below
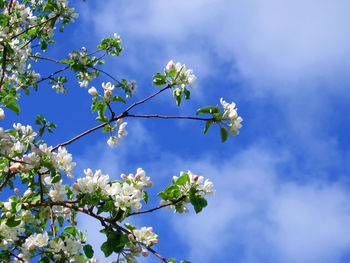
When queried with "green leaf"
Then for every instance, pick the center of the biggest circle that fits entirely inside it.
(44, 260)
(12, 222)
(163, 195)
(207, 126)
(89, 252)
(172, 260)
(198, 202)
(172, 73)
(14, 107)
(159, 82)
(60, 220)
(56, 178)
(178, 100)
(18, 207)
(70, 230)
(117, 98)
(182, 179)
(207, 109)
(107, 250)
(187, 93)
(224, 134)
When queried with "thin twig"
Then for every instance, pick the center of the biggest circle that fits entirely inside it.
(8, 177)
(51, 75)
(102, 219)
(31, 27)
(50, 59)
(41, 189)
(170, 117)
(158, 207)
(52, 222)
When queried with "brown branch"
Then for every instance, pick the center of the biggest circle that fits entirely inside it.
(41, 188)
(157, 254)
(120, 116)
(106, 73)
(45, 58)
(158, 207)
(8, 177)
(102, 219)
(52, 74)
(52, 222)
(31, 27)
(14, 255)
(170, 117)
(146, 99)
(79, 136)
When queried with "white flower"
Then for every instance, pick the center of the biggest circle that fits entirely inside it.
(58, 192)
(230, 112)
(113, 141)
(36, 240)
(145, 236)
(107, 86)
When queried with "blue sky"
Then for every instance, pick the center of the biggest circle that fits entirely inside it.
(283, 183)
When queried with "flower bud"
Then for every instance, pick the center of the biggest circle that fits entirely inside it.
(27, 193)
(2, 114)
(93, 91)
(195, 178)
(131, 237)
(154, 241)
(8, 214)
(149, 184)
(119, 121)
(14, 167)
(144, 252)
(83, 49)
(123, 176)
(108, 93)
(16, 190)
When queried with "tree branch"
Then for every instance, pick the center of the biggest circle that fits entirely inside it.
(170, 117)
(158, 207)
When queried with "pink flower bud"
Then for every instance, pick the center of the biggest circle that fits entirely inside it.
(108, 93)
(149, 184)
(154, 241)
(14, 167)
(123, 176)
(16, 190)
(2, 114)
(131, 237)
(83, 49)
(144, 252)
(119, 121)
(195, 178)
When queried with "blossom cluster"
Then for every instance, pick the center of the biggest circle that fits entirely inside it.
(182, 75)
(195, 182)
(16, 144)
(114, 140)
(128, 194)
(230, 113)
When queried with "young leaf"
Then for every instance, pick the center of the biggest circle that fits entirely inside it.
(89, 252)
(224, 134)
(207, 109)
(207, 126)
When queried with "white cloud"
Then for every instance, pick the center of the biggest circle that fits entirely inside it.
(274, 45)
